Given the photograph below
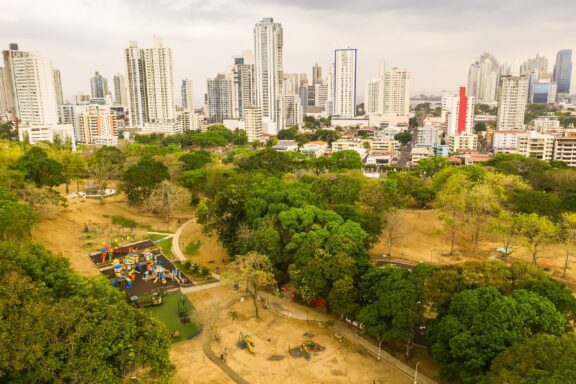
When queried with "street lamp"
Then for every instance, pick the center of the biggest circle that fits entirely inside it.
(379, 348)
(416, 373)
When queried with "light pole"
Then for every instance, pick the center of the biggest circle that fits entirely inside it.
(416, 373)
(379, 348)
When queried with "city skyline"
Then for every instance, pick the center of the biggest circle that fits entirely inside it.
(416, 36)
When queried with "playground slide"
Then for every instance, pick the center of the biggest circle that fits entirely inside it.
(249, 345)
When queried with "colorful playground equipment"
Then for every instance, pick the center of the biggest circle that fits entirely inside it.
(120, 276)
(304, 349)
(245, 342)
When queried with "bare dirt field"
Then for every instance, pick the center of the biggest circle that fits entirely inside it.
(272, 336)
(63, 231)
(211, 254)
(421, 240)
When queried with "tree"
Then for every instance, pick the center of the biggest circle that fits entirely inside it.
(505, 227)
(347, 159)
(481, 323)
(40, 169)
(141, 178)
(73, 167)
(538, 360)
(535, 231)
(195, 159)
(16, 220)
(166, 199)
(480, 127)
(450, 201)
(403, 137)
(254, 271)
(105, 164)
(342, 297)
(60, 327)
(393, 229)
(288, 133)
(429, 167)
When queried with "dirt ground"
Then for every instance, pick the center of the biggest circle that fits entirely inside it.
(341, 362)
(421, 239)
(63, 232)
(211, 254)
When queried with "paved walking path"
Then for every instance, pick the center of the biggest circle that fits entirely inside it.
(296, 312)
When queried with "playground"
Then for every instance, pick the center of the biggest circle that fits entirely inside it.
(272, 339)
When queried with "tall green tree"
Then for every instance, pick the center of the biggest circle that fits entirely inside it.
(40, 169)
(142, 178)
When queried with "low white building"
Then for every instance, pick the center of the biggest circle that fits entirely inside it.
(536, 145)
(419, 153)
(428, 135)
(565, 150)
(50, 133)
(457, 143)
(346, 144)
(385, 144)
(168, 129)
(314, 148)
(110, 141)
(546, 124)
(506, 141)
(379, 158)
(286, 145)
(349, 121)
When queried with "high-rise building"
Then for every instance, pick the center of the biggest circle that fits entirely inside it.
(316, 74)
(150, 84)
(97, 123)
(120, 90)
(372, 99)
(459, 112)
(30, 89)
(483, 79)
(3, 93)
(58, 87)
(253, 123)
(537, 65)
(244, 76)
(98, 86)
(542, 92)
(565, 73)
(396, 94)
(512, 96)
(219, 98)
(187, 95)
(320, 95)
(293, 112)
(268, 48)
(345, 82)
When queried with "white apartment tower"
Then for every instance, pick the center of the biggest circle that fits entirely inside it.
(187, 95)
(120, 90)
(345, 82)
(396, 94)
(512, 96)
(372, 99)
(244, 78)
(97, 122)
(458, 112)
(219, 98)
(268, 48)
(58, 87)
(29, 87)
(253, 123)
(483, 78)
(150, 84)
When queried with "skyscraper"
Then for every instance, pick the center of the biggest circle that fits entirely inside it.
(58, 87)
(3, 95)
(459, 112)
(29, 84)
(219, 98)
(512, 96)
(537, 65)
(120, 90)
(268, 48)
(483, 79)
(244, 93)
(372, 99)
(316, 74)
(150, 84)
(345, 82)
(396, 93)
(187, 95)
(253, 123)
(565, 73)
(98, 86)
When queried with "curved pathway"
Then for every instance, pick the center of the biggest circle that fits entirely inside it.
(296, 313)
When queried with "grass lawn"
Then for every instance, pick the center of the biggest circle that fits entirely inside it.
(167, 313)
(165, 245)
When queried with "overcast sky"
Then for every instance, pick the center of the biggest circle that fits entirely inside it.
(435, 40)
